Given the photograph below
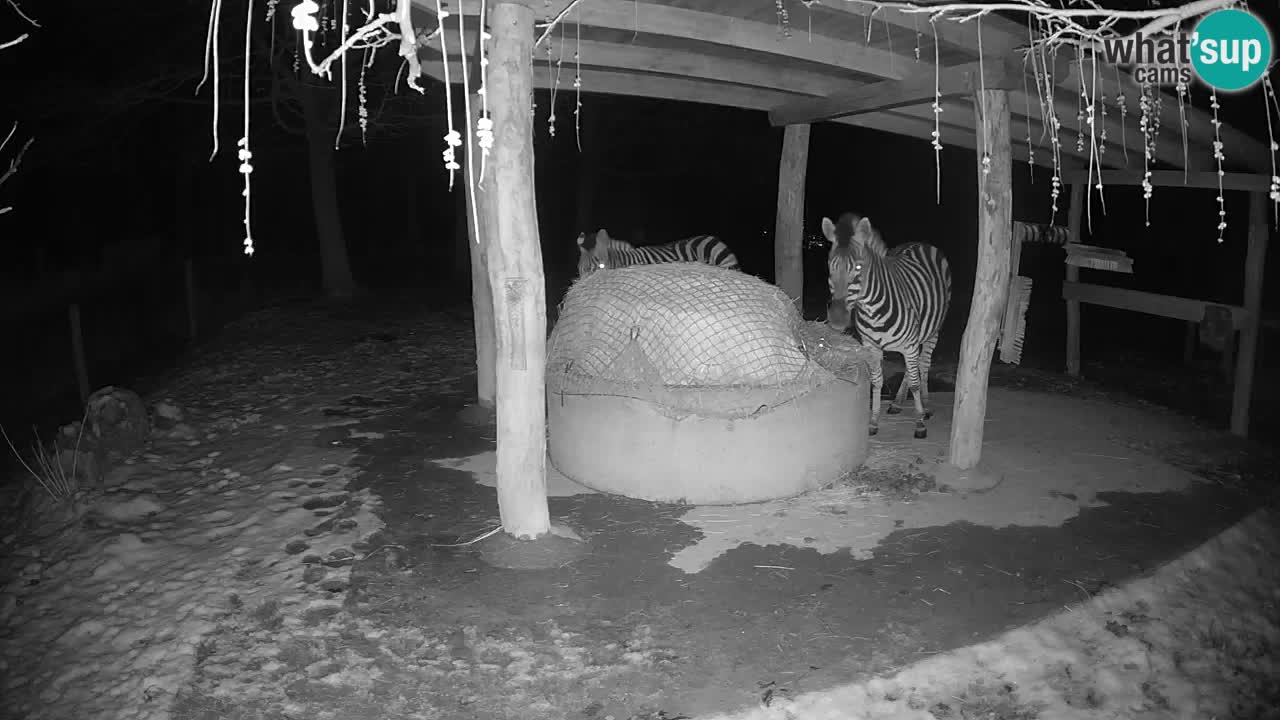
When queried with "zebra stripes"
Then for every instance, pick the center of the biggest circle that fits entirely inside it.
(598, 251)
(897, 300)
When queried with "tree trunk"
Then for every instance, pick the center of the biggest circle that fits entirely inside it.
(1254, 265)
(991, 281)
(476, 207)
(334, 263)
(788, 237)
(514, 258)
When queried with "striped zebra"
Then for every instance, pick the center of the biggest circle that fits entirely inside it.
(897, 300)
(598, 251)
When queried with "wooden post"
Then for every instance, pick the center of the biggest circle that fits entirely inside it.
(991, 281)
(788, 236)
(1189, 341)
(514, 258)
(189, 281)
(77, 353)
(1075, 215)
(478, 239)
(1254, 264)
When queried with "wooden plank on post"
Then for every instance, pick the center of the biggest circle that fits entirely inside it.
(1254, 264)
(514, 258)
(919, 87)
(1075, 216)
(788, 236)
(991, 281)
(77, 353)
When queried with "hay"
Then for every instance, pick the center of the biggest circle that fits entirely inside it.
(693, 338)
(679, 325)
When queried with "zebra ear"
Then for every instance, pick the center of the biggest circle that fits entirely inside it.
(582, 239)
(863, 231)
(829, 230)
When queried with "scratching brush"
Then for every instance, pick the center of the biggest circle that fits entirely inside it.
(1014, 328)
(1098, 258)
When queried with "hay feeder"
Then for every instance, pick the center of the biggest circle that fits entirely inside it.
(688, 383)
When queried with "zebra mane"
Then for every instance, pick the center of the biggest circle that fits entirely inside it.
(601, 238)
(846, 230)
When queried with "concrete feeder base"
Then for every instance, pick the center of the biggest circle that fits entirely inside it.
(635, 448)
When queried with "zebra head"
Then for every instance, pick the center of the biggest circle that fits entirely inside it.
(846, 265)
(593, 252)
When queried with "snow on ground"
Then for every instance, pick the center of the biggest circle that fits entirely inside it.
(121, 617)
(1054, 460)
(1196, 639)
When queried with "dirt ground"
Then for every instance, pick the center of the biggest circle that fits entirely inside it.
(1096, 489)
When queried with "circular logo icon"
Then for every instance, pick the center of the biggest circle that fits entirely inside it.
(1231, 49)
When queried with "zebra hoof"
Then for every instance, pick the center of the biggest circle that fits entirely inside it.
(892, 410)
(872, 430)
(921, 432)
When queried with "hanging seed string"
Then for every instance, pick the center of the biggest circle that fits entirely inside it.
(555, 83)
(982, 106)
(452, 138)
(245, 154)
(937, 112)
(1055, 142)
(1080, 98)
(1144, 104)
(484, 125)
(342, 103)
(211, 52)
(1219, 157)
(1268, 100)
(1094, 150)
(466, 108)
(577, 85)
(1123, 102)
(915, 23)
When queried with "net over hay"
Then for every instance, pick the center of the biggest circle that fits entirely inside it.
(666, 331)
(684, 382)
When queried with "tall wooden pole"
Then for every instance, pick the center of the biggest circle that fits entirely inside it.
(1075, 216)
(1254, 264)
(991, 281)
(514, 259)
(788, 236)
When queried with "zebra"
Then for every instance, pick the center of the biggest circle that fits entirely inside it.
(896, 298)
(598, 251)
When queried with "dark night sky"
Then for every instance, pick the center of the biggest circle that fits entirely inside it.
(108, 166)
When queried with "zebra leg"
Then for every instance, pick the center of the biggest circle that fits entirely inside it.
(877, 381)
(926, 361)
(912, 380)
(899, 400)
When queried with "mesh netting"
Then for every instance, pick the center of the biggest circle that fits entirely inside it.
(691, 337)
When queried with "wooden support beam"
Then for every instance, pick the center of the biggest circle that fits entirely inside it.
(514, 259)
(1174, 179)
(919, 87)
(735, 72)
(1170, 306)
(1254, 265)
(999, 35)
(716, 29)
(1075, 218)
(788, 237)
(991, 281)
